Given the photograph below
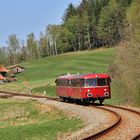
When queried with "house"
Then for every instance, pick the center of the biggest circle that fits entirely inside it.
(2, 79)
(15, 69)
(3, 71)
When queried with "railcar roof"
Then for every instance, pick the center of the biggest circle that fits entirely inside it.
(84, 76)
(94, 75)
(67, 77)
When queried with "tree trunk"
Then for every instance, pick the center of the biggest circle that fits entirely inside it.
(88, 34)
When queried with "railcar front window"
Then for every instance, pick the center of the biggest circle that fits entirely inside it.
(90, 82)
(102, 82)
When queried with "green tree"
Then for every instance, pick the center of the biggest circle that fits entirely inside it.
(52, 34)
(110, 27)
(81, 27)
(84, 27)
(69, 12)
(74, 33)
(23, 52)
(3, 56)
(13, 47)
(133, 18)
(43, 46)
(32, 47)
(94, 10)
(127, 65)
(66, 40)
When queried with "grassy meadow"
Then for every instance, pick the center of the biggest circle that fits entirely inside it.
(29, 120)
(32, 121)
(39, 78)
(26, 120)
(40, 74)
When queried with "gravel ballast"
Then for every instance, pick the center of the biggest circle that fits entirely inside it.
(94, 119)
(128, 129)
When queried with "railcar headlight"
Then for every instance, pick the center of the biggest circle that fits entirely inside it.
(89, 94)
(106, 94)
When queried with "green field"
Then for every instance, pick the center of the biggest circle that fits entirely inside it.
(39, 78)
(40, 74)
(26, 120)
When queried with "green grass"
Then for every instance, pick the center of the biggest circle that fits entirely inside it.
(45, 90)
(26, 120)
(49, 68)
(42, 72)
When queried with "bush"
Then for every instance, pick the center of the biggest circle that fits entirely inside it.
(126, 70)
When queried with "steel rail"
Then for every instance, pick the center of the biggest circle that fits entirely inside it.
(29, 95)
(107, 130)
(130, 110)
(92, 137)
(97, 135)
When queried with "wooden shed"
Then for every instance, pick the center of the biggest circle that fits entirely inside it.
(3, 71)
(15, 69)
(2, 79)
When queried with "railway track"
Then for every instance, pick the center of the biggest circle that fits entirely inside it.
(110, 128)
(27, 95)
(97, 135)
(129, 110)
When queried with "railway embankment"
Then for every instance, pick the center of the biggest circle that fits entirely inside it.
(94, 119)
(129, 127)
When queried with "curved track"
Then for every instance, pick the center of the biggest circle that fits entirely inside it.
(110, 128)
(97, 135)
(130, 110)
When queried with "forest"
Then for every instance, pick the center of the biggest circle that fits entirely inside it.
(91, 24)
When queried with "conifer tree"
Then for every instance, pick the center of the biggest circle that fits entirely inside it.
(110, 26)
(69, 12)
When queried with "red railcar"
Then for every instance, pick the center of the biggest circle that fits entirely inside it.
(86, 88)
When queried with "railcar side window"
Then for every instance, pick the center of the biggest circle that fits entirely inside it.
(63, 82)
(102, 82)
(76, 83)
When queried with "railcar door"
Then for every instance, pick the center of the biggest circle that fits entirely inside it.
(69, 89)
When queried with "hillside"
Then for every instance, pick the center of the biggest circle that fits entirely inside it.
(41, 74)
(82, 62)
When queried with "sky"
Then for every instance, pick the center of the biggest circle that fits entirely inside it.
(22, 17)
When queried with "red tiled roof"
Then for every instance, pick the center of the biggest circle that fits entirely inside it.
(1, 77)
(14, 66)
(3, 69)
